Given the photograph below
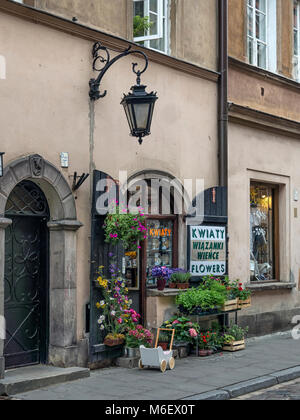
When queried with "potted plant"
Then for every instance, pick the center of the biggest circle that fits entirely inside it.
(234, 338)
(181, 279)
(240, 293)
(129, 228)
(185, 334)
(116, 316)
(135, 338)
(164, 340)
(204, 344)
(198, 300)
(162, 274)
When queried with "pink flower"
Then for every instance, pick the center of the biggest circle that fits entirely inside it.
(175, 322)
(193, 332)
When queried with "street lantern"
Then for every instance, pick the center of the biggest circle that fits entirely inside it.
(1, 163)
(138, 104)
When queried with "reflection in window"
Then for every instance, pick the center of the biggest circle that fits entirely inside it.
(262, 267)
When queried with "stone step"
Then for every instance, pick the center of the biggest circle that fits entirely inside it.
(34, 377)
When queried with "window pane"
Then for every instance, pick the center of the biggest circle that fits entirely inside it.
(250, 51)
(260, 26)
(154, 6)
(262, 265)
(250, 22)
(154, 24)
(139, 8)
(261, 5)
(261, 55)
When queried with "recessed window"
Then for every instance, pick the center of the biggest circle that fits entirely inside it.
(263, 232)
(151, 24)
(296, 32)
(261, 33)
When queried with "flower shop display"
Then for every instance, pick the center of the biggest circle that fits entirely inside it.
(162, 274)
(234, 338)
(238, 292)
(129, 228)
(135, 338)
(198, 300)
(180, 278)
(116, 316)
(185, 335)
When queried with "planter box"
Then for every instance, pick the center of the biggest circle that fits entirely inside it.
(113, 342)
(244, 303)
(234, 346)
(230, 305)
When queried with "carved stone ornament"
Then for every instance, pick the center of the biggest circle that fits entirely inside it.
(36, 165)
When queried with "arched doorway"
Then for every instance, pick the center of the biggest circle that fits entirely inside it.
(26, 289)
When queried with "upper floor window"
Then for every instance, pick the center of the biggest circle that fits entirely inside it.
(261, 33)
(152, 31)
(296, 58)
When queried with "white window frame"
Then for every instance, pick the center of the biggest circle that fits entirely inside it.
(271, 34)
(159, 15)
(296, 57)
(163, 32)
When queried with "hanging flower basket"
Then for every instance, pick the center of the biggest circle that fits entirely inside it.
(122, 226)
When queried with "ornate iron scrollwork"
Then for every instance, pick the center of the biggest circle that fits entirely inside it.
(102, 62)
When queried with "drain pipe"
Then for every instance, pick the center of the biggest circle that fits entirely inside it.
(223, 93)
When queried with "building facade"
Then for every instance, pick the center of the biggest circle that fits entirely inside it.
(264, 133)
(51, 130)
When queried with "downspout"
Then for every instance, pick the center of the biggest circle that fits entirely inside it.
(223, 93)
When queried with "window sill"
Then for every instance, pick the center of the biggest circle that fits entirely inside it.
(163, 293)
(270, 286)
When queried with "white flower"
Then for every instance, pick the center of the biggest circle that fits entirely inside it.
(113, 313)
(102, 317)
(100, 321)
(102, 327)
(130, 301)
(102, 302)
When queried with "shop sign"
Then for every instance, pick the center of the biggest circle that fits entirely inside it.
(207, 250)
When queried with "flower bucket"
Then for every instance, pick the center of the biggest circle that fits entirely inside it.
(132, 352)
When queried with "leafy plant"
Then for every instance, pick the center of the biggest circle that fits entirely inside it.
(238, 333)
(141, 25)
(126, 227)
(139, 336)
(200, 298)
(184, 329)
(180, 277)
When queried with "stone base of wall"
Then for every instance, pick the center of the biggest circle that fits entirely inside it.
(63, 356)
(268, 322)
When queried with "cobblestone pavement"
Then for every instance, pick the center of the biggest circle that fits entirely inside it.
(287, 391)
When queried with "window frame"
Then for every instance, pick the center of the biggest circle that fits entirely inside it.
(296, 57)
(270, 42)
(163, 26)
(275, 232)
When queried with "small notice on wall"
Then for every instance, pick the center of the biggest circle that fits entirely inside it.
(207, 250)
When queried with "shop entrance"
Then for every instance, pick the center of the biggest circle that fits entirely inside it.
(26, 277)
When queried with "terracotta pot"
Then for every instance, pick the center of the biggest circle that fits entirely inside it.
(161, 283)
(172, 285)
(203, 353)
(182, 285)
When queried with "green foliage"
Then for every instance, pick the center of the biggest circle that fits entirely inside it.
(126, 227)
(141, 25)
(182, 326)
(180, 277)
(238, 333)
(201, 298)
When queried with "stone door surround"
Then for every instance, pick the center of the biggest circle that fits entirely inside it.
(63, 349)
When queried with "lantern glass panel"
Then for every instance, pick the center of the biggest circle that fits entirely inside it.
(129, 116)
(141, 111)
(1, 165)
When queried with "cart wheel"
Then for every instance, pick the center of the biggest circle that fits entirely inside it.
(141, 366)
(172, 363)
(163, 366)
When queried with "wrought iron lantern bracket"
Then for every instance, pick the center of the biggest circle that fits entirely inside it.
(106, 62)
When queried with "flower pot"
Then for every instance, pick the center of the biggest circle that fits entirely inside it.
(204, 353)
(111, 342)
(183, 349)
(132, 352)
(172, 285)
(183, 285)
(161, 283)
